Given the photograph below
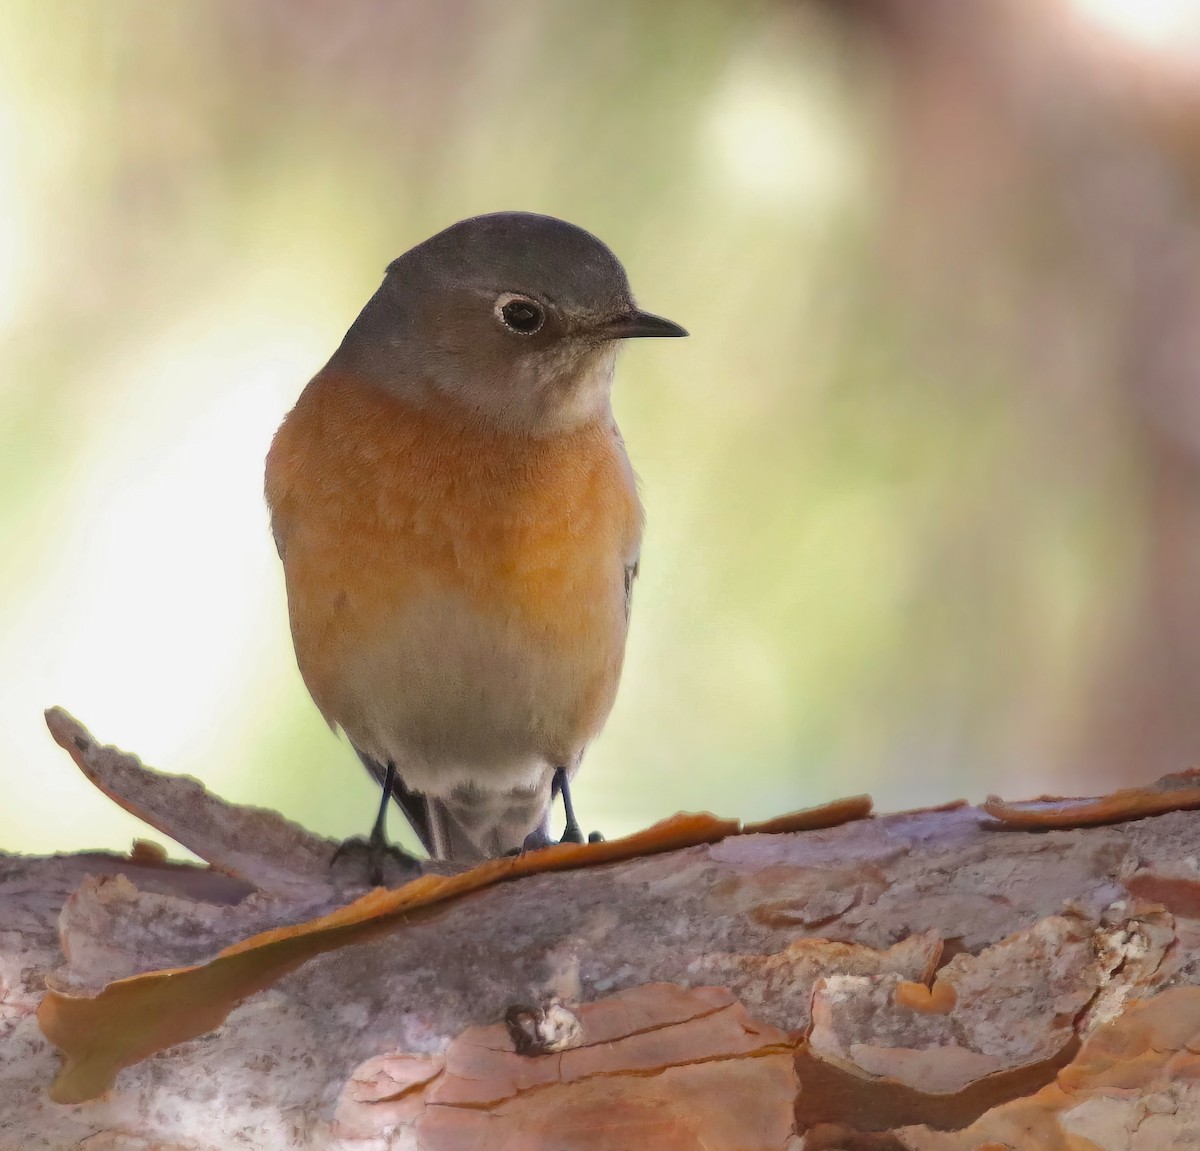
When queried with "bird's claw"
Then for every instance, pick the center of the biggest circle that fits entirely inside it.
(538, 839)
(375, 861)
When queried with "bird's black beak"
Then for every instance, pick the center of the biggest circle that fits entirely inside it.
(639, 325)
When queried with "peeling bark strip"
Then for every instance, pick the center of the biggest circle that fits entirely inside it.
(918, 981)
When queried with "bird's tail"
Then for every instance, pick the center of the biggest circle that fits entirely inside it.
(470, 826)
(482, 825)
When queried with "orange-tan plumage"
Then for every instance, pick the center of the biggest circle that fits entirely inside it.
(384, 509)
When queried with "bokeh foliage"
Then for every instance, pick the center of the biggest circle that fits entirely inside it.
(896, 493)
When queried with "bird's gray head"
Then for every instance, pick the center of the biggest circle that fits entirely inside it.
(512, 316)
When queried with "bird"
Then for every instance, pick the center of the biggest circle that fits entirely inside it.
(460, 529)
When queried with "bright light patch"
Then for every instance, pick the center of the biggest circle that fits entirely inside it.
(174, 544)
(1167, 26)
(778, 138)
(149, 621)
(14, 227)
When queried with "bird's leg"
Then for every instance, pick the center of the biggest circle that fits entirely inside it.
(378, 837)
(572, 833)
(560, 785)
(376, 849)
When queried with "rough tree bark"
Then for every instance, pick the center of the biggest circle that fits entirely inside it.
(935, 980)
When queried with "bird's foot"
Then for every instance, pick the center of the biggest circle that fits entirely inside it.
(538, 839)
(373, 860)
(572, 833)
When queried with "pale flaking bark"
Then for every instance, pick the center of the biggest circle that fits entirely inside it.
(915, 981)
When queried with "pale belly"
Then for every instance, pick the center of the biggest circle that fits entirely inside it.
(459, 699)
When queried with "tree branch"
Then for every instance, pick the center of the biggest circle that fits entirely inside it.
(928, 980)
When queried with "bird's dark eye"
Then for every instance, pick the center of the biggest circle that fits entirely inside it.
(519, 314)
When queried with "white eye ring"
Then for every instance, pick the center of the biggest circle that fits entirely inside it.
(519, 314)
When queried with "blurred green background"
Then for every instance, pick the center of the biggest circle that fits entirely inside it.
(923, 486)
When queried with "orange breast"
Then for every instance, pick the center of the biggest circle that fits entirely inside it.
(379, 507)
